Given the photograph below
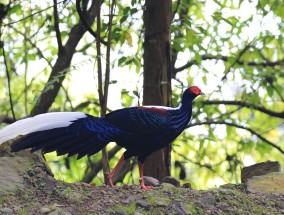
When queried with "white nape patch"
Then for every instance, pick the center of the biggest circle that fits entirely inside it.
(163, 107)
(40, 122)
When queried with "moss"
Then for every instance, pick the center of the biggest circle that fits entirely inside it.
(28, 197)
(191, 208)
(23, 211)
(162, 199)
(67, 191)
(123, 209)
(94, 200)
(2, 201)
(156, 211)
(240, 203)
(153, 198)
(180, 191)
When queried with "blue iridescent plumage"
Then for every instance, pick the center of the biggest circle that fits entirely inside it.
(140, 130)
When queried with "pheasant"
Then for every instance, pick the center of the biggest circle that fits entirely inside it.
(140, 130)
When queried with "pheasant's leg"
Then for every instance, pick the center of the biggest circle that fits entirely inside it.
(142, 185)
(111, 174)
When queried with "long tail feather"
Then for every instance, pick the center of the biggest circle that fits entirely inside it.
(39, 139)
(38, 123)
(70, 133)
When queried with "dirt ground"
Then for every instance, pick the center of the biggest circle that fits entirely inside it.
(44, 195)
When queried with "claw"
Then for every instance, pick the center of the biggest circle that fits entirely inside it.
(144, 187)
(109, 179)
(111, 174)
(142, 184)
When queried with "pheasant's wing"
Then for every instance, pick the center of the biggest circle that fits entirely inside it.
(147, 120)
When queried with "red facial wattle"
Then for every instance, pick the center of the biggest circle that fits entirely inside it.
(196, 90)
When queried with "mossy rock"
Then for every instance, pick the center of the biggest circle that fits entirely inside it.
(269, 183)
(11, 169)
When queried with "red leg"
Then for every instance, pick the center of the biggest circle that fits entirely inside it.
(142, 185)
(111, 174)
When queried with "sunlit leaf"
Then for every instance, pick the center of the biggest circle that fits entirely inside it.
(128, 38)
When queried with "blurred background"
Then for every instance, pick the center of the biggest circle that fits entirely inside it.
(232, 49)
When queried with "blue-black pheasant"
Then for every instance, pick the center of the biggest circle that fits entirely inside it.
(140, 130)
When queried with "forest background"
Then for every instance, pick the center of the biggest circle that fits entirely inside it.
(148, 52)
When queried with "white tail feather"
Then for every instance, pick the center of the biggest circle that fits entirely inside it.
(38, 123)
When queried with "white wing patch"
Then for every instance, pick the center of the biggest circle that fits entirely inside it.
(40, 122)
(162, 107)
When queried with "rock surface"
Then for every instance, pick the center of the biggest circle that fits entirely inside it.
(167, 186)
(131, 200)
(259, 169)
(6, 211)
(10, 172)
(142, 204)
(171, 180)
(186, 185)
(208, 199)
(44, 210)
(35, 192)
(269, 183)
(150, 181)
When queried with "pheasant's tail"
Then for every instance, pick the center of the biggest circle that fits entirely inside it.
(66, 133)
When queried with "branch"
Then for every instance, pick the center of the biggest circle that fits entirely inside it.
(226, 58)
(26, 17)
(99, 60)
(194, 61)
(125, 167)
(33, 45)
(56, 26)
(178, 32)
(248, 105)
(4, 11)
(107, 74)
(275, 89)
(240, 54)
(68, 98)
(209, 122)
(96, 167)
(176, 9)
(102, 95)
(85, 22)
(6, 119)
(63, 63)
(9, 83)
(207, 166)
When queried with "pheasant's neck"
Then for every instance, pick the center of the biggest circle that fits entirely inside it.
(186, 106)
(180, 118)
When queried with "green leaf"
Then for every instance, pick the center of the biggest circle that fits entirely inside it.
(121, 60)
(135, 92)
(198, 58)
(202, 30)
(218, 3)
(270, 91)
(217, 16)
(230, 130)
(113, 82)
(204, 79)
(17, 9)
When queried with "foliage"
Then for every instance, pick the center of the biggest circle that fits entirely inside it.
(233, 50)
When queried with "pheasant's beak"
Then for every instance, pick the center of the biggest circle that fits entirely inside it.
(201, 93)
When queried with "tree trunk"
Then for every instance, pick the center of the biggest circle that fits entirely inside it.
(157, 73)
(62, 64)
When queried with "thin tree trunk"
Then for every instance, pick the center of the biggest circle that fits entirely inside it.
(62, 64)
(157, 73)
